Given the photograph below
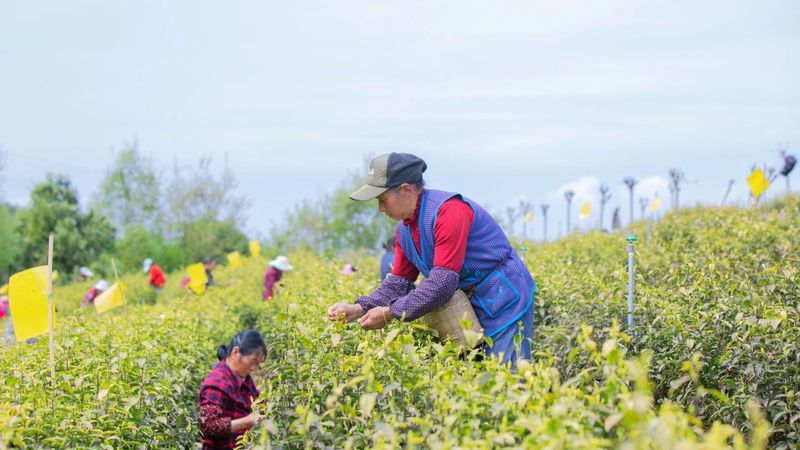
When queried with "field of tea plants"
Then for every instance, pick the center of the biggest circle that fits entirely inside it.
(126, 379)
(712, 361)
(714, 347)
(718, 305)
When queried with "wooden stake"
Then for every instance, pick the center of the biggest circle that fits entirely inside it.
(50, 318)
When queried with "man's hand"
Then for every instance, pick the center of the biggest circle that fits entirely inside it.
(376, 318)
(345, 312)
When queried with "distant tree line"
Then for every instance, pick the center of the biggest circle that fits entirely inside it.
(332, 224)
(138, 211)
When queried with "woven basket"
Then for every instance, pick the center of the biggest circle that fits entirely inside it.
(446, 320)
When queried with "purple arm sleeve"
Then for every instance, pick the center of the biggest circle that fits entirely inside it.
(393, 287)
(432, 293)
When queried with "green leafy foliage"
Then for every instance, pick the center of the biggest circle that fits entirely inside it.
(133, 215)
(329, 385)
(197, 194)
(711, 362)
(207, 237)
(129, 194)
(9, 240)
(716, 302)
(82, 236)
(138, 244)
(332, 225)
(127, 379)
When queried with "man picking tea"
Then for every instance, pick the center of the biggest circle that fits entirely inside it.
(455, 244)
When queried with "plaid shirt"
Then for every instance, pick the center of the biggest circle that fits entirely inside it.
(223, 397)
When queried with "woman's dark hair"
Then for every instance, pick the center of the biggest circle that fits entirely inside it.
(248, 341)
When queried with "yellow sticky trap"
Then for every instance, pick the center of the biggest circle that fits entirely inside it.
(758, 183)
(528, 217)
(586, 210)
(197, 278)
(110, 299)
(655, 205)
(27, 297)
(255, 248)
(234, 259)
(55, 275)
(4, 289)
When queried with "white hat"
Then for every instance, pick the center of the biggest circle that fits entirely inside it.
(281, 263)
(146, 265)
(86, 272)
(101, 285)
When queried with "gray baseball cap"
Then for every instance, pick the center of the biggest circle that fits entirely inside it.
(387, 171)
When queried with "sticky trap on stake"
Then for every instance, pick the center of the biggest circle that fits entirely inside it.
(758, 183)
(255, 248)
(197, 278)
(234, 259)
(110, 299)
(27, 297)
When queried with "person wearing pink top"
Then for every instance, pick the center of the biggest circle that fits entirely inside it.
(277, 267)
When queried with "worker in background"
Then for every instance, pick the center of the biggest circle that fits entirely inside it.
(157, 277)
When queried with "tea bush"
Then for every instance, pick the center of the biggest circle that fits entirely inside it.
(336, 386)
(714, 342)
(714, 287)
(125, 379)
(712, 361)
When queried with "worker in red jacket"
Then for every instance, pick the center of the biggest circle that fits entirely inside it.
(157, 277)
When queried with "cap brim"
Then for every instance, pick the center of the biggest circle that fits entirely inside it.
(368, 192)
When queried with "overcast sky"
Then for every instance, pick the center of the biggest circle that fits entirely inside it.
(503, 99)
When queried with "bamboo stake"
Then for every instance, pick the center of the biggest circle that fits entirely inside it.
(50, 315)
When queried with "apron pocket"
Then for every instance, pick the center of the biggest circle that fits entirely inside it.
(495, 294)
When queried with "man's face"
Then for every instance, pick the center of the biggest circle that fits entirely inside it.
(391, 204)
(399, 203)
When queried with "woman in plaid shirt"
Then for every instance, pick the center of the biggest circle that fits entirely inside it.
(226, 395)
